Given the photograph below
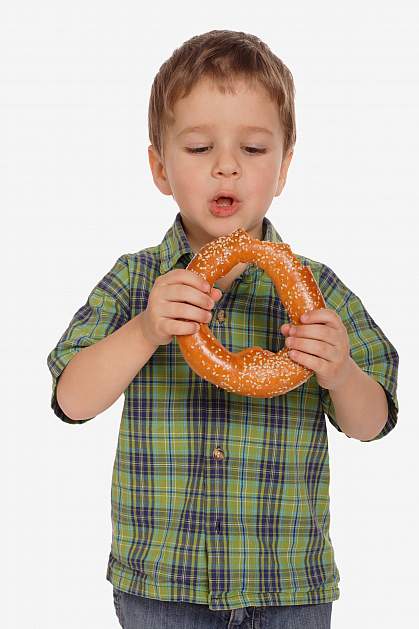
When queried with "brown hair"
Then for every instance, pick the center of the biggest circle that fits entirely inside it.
(221, 56)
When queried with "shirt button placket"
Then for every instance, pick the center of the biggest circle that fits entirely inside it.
(218, 455)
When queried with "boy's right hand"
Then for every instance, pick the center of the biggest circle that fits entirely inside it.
(178, 302)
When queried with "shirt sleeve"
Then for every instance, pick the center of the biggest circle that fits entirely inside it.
(369, 347)
(107, 309)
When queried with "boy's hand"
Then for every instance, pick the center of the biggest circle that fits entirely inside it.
(320, 343)
(176, 302)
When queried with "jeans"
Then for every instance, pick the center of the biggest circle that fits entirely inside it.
(137, 612)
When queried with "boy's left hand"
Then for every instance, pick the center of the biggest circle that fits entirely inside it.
(320, 343)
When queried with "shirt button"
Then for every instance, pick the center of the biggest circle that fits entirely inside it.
(218, 454)
(221, 316)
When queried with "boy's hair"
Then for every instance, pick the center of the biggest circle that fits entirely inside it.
(221, 56)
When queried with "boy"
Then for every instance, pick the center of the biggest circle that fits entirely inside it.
(220, 502)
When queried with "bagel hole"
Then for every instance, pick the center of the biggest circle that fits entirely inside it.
(224, 283)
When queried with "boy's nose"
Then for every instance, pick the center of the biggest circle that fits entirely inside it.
(227, 165)
(227, 171)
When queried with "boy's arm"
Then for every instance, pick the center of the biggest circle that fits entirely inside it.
(97, 375)
(360, 404)
(373, 369)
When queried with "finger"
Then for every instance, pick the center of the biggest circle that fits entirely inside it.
(321, 315)
(313, 347)
(320, 332)
(179, 328)
(315, 363)
(184, 276)
(186, 312)
(285, 328)
(188, 294)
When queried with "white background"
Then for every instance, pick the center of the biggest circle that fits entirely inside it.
(76, 193)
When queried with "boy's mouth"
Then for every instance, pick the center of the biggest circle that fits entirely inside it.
(224, 201)
(225, 197)
(224, 205)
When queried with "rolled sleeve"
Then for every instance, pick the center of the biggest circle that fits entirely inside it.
(107, 309)
(369, 347)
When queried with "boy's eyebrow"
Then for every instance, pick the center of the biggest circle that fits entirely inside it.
(205, 127)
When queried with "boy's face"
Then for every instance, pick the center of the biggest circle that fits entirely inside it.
(227, 159)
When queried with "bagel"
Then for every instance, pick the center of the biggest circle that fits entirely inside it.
(254, 372)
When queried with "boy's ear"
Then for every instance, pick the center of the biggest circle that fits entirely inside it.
(283, 172)
(158, 171)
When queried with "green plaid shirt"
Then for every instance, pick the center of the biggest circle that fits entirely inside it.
(218, 498)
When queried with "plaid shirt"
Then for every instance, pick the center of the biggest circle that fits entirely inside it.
(218, 498)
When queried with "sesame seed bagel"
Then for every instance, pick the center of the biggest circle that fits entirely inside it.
(254, 371)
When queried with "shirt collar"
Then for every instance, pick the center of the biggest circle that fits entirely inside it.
(175, 244)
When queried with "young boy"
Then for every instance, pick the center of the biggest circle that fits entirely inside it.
(220, 502)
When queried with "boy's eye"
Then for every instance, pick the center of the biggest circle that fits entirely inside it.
(197, 150)
(253, 149)
(201, 149)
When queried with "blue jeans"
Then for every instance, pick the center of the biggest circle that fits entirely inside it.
(137, 612)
